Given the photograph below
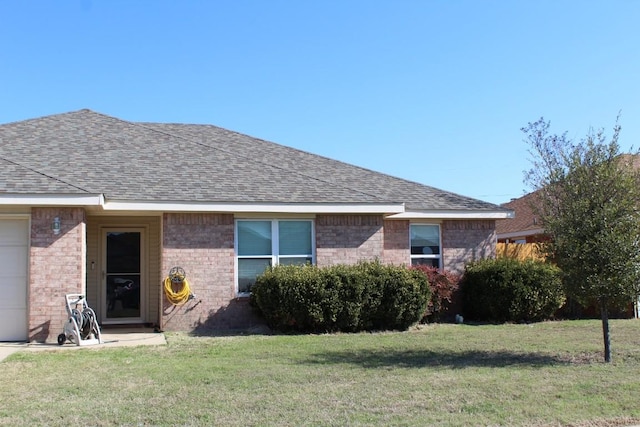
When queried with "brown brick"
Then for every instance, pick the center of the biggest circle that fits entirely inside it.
(57, 267)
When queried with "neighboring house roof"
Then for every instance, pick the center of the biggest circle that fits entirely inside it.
(85, 153)
(525, 223)
(634, 159)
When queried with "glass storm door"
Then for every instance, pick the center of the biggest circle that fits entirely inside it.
(122, 276)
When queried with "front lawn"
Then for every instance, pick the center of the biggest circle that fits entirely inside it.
(547, 373)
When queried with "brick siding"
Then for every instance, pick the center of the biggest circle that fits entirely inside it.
(57, 267)
(347, 239)
(203, 245)
(396, 242)
(467, 240)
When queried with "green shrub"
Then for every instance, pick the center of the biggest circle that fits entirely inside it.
(509, 290)
(347, 298)
(288, 296)
(344, 302)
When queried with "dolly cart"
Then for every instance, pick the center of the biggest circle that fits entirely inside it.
(82, 326)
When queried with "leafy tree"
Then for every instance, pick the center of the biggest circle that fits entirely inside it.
(588, 203)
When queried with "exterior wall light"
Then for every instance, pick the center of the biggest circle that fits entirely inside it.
(55, 225)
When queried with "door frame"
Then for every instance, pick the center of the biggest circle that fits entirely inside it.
(102, 281)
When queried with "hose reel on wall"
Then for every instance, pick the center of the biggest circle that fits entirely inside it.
(176, 287)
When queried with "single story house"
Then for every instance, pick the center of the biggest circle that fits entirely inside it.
(105, 207)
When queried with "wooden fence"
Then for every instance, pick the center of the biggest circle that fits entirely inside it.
(519, 251)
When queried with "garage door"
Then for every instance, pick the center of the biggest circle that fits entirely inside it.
(14, 247)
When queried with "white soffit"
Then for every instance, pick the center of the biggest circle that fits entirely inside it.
(52, 200)
(394, 211)
(311, 208)
(453, 215)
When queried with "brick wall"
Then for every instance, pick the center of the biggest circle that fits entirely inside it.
(467, 240)
(347, 239)
(56, 267)
(396, 242)
(352, 238)
(202, 244)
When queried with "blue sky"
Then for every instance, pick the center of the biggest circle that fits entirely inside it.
(434, 91)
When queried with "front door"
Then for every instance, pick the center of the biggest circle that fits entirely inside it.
(123, 275)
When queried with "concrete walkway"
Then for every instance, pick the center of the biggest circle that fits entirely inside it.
(110, 338)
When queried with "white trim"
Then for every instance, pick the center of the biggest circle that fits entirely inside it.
(520, 233)
(394, 211)
(273, 215)
(451, 214)
(15, 216)
(438, 256)
(309, 208)
(52, 200)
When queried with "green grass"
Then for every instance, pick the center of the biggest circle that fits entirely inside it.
(451, 375)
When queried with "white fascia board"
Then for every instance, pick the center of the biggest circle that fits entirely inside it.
(526, 233)
(308, 208)
(52, 199)
(451, 214)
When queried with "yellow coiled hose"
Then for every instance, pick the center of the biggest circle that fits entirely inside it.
(180, 297)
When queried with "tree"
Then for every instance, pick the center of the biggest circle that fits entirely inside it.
(589, 199)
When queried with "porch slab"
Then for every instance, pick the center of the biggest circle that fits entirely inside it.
(110, 338)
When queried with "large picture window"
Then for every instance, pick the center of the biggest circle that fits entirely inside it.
(262, 243)
(425, 245)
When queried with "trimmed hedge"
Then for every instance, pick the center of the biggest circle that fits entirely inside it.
(509, 290)
(347, 298)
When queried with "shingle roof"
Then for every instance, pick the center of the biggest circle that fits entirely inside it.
(525, 220)
(16, 179)
(88, 152)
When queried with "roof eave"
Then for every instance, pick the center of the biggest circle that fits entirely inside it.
(52, 199)
(98, 201)
(301, 208)
(454, 214)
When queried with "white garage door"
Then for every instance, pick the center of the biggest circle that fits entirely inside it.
(14, 248)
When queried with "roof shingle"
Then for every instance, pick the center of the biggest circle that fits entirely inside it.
(85, 151)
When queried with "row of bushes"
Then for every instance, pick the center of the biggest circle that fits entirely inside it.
(374, 296)
(348, 298)
(509, 290)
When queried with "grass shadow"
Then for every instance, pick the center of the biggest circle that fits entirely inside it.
(391, 358)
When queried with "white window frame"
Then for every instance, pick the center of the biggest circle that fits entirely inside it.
(275, 245)
(427, 256)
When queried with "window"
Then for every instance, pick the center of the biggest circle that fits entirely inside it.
(261, 243)
(425, 245)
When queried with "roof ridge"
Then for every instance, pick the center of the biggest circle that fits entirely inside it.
(44, 174)
(46, 116)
